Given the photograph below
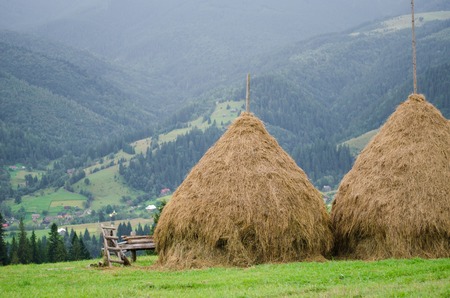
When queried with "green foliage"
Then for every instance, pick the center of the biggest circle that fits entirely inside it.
(167, 166)
(357, 144)
(157, 215)
(52, 105)
(24, 249)
(34, 254)
(5, 187)
(3, 251)
(13, 252)
(324, 162)
(78, 250)
(56, 251)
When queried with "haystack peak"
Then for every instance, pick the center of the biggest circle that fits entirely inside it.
(395, 201)
(245, 202)
(417, 97)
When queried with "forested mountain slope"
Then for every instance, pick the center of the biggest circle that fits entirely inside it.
(55, 100)
(343, 85)
(327, 90)
(311, 95)
(189, 48)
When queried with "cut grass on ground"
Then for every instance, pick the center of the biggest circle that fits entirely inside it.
(388, 278)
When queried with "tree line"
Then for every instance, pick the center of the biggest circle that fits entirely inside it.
(166, 165)
(56, 247)
(57, 175)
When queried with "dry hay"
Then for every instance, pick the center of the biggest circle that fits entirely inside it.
(395, 202)
(246, 202)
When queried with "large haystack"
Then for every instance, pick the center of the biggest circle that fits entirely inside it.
(246, 202)
(395, 202)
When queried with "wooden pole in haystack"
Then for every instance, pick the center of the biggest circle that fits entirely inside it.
(247, 97)
(414, 48)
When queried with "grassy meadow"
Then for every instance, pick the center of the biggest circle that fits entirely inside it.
(357, 144)
(387, 278)
(224, 113)
(53, 202)
(107, 187)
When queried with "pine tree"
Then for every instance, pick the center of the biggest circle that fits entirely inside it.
(40, 252)
(157, 214)
(42, 246)
(68, 238)
(34, 248)
(95, 248)
(86, 236)
(61, 253)
(23, 250)
(139, 230)
(56, 251)
(52, 243)
(13, 258)
(119, 231)
(85, 255)
(147, 230)
(3, 251)
(129, 229)
(75, 249)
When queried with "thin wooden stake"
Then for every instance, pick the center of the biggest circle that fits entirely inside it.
(414, 48)
(247, 97)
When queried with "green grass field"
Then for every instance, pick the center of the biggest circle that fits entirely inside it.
(225, 116)
(357, 144)
(107, 187)
(141, 146)
(18, 176)
(221, 115)
(388, 278)
(53, 202)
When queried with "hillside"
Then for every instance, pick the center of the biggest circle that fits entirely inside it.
(58, 100)
(313, 96)
(324, 91)
(342, 85)
(188, 49)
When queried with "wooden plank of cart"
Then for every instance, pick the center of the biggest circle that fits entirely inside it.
(111, 247)
(135, 243)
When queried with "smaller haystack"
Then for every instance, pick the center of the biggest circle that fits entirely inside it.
(246, 202)
(395, 202)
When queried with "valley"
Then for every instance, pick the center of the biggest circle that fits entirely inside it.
(97, 134)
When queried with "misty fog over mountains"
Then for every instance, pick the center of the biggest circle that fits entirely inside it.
(190, 46)
(130, 68)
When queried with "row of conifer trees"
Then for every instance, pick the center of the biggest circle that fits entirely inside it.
(55, 247)
(51, 249)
